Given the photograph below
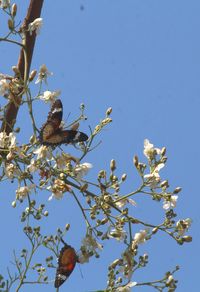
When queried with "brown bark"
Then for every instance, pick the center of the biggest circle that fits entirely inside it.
(12, 107)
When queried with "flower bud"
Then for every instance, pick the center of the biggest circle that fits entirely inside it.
(62, 175)
(112, 165)
(164, 159)
(67, 226)
(17, 130)
(109, 111)
(104, 221)
(106, 121)
(32, 139)
(135, 161)
(84, 188)
(177, 190)
(124, 176)
(163, 151)
(187, 238)
(154, 230)
(164, 184)
(102, 174)
(32, 75)
(14, 9)
(10, 24)
(16, 70)
(10, 156)
(14, 204)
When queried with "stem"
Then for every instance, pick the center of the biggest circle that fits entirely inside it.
(11, 41)
(82, 210)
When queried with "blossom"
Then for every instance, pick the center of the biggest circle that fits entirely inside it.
(170, 202)
(7, 141)
(140, 237)
(89, 242)
(182, 226)
(11, 170)
(35, 25)
(117, 233)
(153, 178)
(63, 160)
(43, 152)
(88, 248)
(22, 192)
(12, 140)
(149, 150)
(126, 288)
(58, 189)
(49, 95)
(43, 74)
(32, 167)
(81, 170)
(170, 282)
(4, 87)
(56, 194)
(121, 203)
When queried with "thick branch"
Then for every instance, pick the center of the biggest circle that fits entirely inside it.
(12, 107)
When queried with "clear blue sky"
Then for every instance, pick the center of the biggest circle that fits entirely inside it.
(143, 59)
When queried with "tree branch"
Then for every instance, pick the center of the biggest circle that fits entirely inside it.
(12, 107)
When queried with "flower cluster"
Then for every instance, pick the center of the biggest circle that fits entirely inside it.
(152, 179)
(22, 192)
(58, 188)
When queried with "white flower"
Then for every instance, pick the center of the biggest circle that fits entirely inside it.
(153, 178)
(170, 202)
(32, 167)
(2, 139)
(56, 194)
(121, 203)
(88, 248)
(58, 188)
(7, 141)
(22, 192)
(12, 140)
(43, 74)
(35, 25)
(182, 226)
(43, 152)
(140, 237)
(11, 170)
(63, 159)
(117, 233)
(4, 4)
(49, 96)
(127, 287)
(149, 150)
(4, 87)
(170, 282)
(81, 170)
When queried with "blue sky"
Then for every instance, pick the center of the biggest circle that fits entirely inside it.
(142, 59)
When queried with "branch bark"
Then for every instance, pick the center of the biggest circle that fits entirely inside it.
(11, 110)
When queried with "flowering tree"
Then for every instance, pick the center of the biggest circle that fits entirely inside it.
(40, 165)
